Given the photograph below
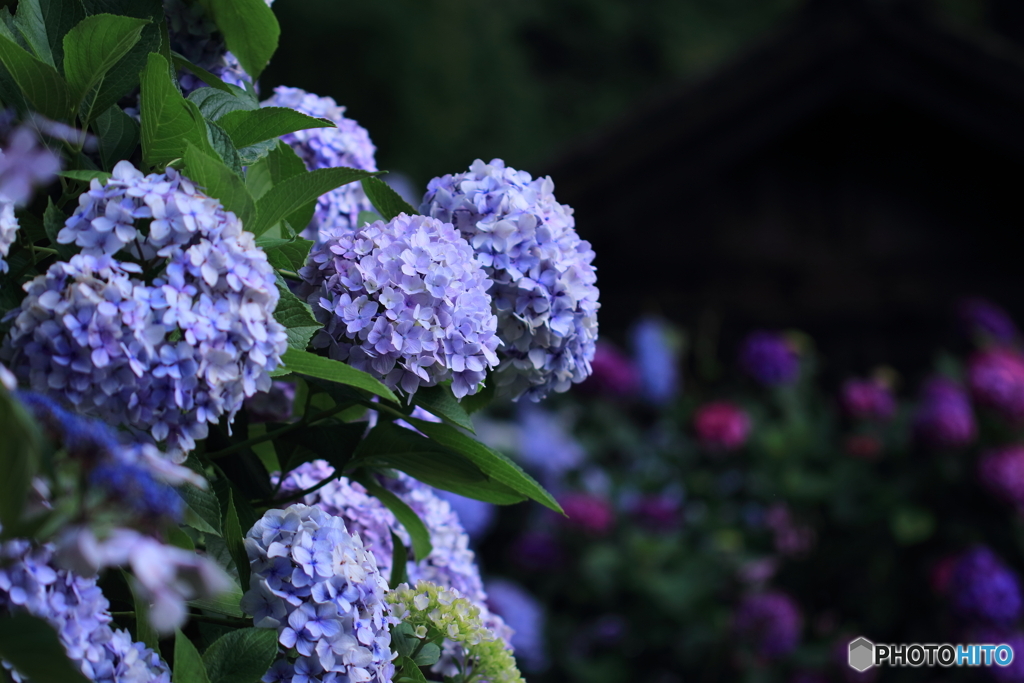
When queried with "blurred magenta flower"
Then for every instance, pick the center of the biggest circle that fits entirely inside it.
(588, 513)
(770, 623)
(944, 416)
(769, 358)
(1002, 472)
(996, 378)
(982, 318)
(721, 426)
(613, 373)
(867, 399)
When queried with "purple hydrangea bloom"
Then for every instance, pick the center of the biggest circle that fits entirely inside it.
(544, 281)
(346, 145)
(320, 588)
(546, 445)
(24, 165)
(8, 230)
(525, 616)
(656, 360)
(944, 417)
(996, 378)
(983, 589)
(75, 607)
(406, 302)
(476, 516)
(867, 399)
(1002, 472)
(983, 318)
(168, 355)
(770, 623)
(196, 37)
(769, 358)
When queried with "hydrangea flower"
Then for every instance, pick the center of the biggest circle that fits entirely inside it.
(196, 37)
(982, 318)
(24, 165)
(721, 426)
(347, 145)
(770, 623)
(656, 358)
(996, 378)
(320, 588)
(769, 358)
(587, 512)
(8, 230)
(406, 302)
(544, 292)
(168, 354)
(944, 417)
(983, 589)
(476, 516)
(867, 399)
(484, 655)
(525, 616)
(31, 583)
(614, 373)
(546, 445)
(1002, 472)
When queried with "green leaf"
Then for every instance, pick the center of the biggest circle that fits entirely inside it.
(253, 153)
(282, 162)
(203, 512)
(304, 363)
(221, 143)
(215, 104)
(250, 30)
(118, 134)
(220, 183)
(205, 76)
(59, 16)
(242, 656)
(418, 532)
(32, 647)
(42, 86)
(387, 202)
(178, 538)
(85, 176)
(19, 458)
(439, 400)
(286, 254)
(367, 217)
(93, 47)
(335, 443)
(188, 665)
(144, 631)
(494, 464)
(293, 193)
(53, 221)
(296, 316)
(168, 123)
(399, 556)
(31, 25)
(406, 671)
(428, 655)
(225, 603)
(234, 537)
(403, 639)
(249, 127)
(480, 400)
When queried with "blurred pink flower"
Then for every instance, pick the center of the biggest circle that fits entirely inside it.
(721, 426)
(588, 513)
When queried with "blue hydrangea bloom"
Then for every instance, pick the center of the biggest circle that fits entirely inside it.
(164, 330)
(546, 445)
(404, 301)
(544, 282)
(321, 589)
(25, 164)
(347, 145)
(75, 607)
(769, 358)
(984, 589)
(525, 616)
(656, 360)
(8, 230)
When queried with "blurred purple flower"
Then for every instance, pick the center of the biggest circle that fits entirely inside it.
(524, 614)
(614, 374)
(546, 445)
(769, 358)
(944, 417)
(996, 378)
(982, 318)
(658, 512)
(721, 426)
(24, 165)
(1002, 472)
(867, 399)
(656, 360)
(588, 513)
(770, 623)
(476, 515)
(537, 551)
(983, 589)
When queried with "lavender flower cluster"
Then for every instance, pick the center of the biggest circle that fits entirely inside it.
(24, 164)
(770, 623)
(996, 378)
(544, 282)
(1002, 472)
(770, 359)
(404, 301)
(76, 608)
(944, 416)
(983, 589)
(346, 145)
(318, 585)
(168, 355)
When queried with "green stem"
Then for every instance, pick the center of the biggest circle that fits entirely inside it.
(270, 436)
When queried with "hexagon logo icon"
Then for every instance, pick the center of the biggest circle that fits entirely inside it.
(862, 654)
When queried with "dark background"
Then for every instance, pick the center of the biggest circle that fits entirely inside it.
(848, 168)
